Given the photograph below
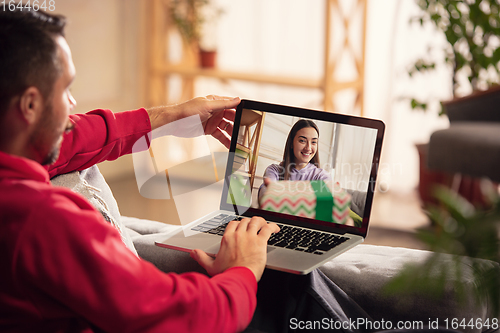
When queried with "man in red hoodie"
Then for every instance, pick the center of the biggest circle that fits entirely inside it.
(64, 269)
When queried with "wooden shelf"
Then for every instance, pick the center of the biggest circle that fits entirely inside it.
(240, 76)
(251, 124)
(251, 117)
(280, 80)
(160, 68)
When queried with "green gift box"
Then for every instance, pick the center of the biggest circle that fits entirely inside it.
(315, 199)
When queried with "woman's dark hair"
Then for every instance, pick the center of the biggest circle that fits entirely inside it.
(28, 53)
(288, 156)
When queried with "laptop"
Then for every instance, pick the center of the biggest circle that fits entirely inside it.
(349, 149)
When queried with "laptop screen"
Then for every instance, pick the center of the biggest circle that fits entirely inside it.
(275, 146)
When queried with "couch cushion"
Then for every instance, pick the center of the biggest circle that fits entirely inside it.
(363, 271)
(91, 184)
(145, 233)
(145, 227)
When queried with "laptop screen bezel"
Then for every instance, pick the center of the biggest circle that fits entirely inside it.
(314, 115)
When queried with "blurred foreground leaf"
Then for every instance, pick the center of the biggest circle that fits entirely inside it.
(460, 241)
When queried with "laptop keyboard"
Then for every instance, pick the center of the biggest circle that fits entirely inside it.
(216, 225)
(289, 237)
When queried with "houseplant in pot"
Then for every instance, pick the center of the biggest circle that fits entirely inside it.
(471, 52)
(196, 21)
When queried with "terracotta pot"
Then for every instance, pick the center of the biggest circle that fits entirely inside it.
(428, 178)
(208, 59)
(468, 187)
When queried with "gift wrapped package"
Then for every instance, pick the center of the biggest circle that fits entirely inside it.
(315, 199)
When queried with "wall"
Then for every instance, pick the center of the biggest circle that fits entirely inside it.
(106, 39)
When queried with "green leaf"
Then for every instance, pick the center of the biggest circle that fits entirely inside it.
(471, 27)
(472, 237)
(415, 104)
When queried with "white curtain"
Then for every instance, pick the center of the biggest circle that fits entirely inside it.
(354, 155)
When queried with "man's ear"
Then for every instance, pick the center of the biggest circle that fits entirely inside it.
(31, 105)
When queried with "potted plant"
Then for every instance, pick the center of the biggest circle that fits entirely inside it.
(196, 21)
(472, 52)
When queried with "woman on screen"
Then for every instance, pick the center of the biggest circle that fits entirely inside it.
(300, 157)
(301, 162)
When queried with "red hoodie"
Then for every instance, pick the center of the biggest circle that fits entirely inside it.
(64, 269)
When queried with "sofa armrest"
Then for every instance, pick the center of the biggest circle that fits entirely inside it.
(471, 148)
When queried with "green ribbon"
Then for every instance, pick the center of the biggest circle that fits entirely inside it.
(324, 201)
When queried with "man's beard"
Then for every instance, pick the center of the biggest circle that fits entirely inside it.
(45, 128)
(53, 155)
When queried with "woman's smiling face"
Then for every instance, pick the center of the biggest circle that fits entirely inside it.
(305, 145)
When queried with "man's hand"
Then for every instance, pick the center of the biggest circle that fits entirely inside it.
(216, 113)
(244, 243)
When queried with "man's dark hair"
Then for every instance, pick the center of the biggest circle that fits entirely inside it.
(28, 53)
